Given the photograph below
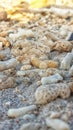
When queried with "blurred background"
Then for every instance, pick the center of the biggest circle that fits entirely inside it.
(36, 3)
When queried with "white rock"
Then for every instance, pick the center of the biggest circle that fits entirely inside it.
(20, 111)
(29, 117)
(30, 126)
(66, 62)
(57, 124)
(51, 79)
(71, 71)
(1, 45)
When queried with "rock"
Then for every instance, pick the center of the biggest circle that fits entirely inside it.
(3, 15)
(70, 37)
(51, 79)
(66, 62)
(48, 93)
(62, 46)
(30, 126)
(43, 64)
(29, 117)
(11, 63)
(8, 83)
(57, 124)
(64, 117)
(21, 33)
(45, 94)
(1, 44)
(71, 71)
(55, 115)
(26, 67)
(20, 111)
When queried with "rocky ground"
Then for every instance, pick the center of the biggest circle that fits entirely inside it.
(36, 68)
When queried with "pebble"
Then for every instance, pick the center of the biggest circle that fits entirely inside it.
(1, 44)
(11, 63)
(21, 33)
(71, 37)
(43, 64)
(31, 126)
(66, 62)
(55, 115)
(20, 111)
(29, 117)
(64, 117)
(3, 15)
(48, 93)
(8, 83)
(57, 124)
(71, 71)
(51, 79)
(26, 67)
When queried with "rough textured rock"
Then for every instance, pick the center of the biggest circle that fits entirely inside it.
(47, 93)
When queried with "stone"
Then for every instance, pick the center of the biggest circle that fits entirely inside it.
(57, 124)
(30, 126)
(66, 62)
(20, 111)
(51, 79)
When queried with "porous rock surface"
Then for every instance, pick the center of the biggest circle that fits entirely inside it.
(36, 68)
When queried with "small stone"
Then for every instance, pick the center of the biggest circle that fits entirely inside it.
(55, 115)
(57, 124)
(71, 37)
(20, 111)
(51, 79)
(1, 44)
(26, 67)
(66, 62)
(64, 117)
(30, 126)
(29, 117)
(3, 15)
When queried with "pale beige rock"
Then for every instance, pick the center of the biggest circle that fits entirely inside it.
(47, 93)
(55, 115)
(20, 111)
(21, 33)
(57, 124)
(30, 126)
(26, 67)
(62, 46)
(3, 15)
(1, 44)
(8, 83)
